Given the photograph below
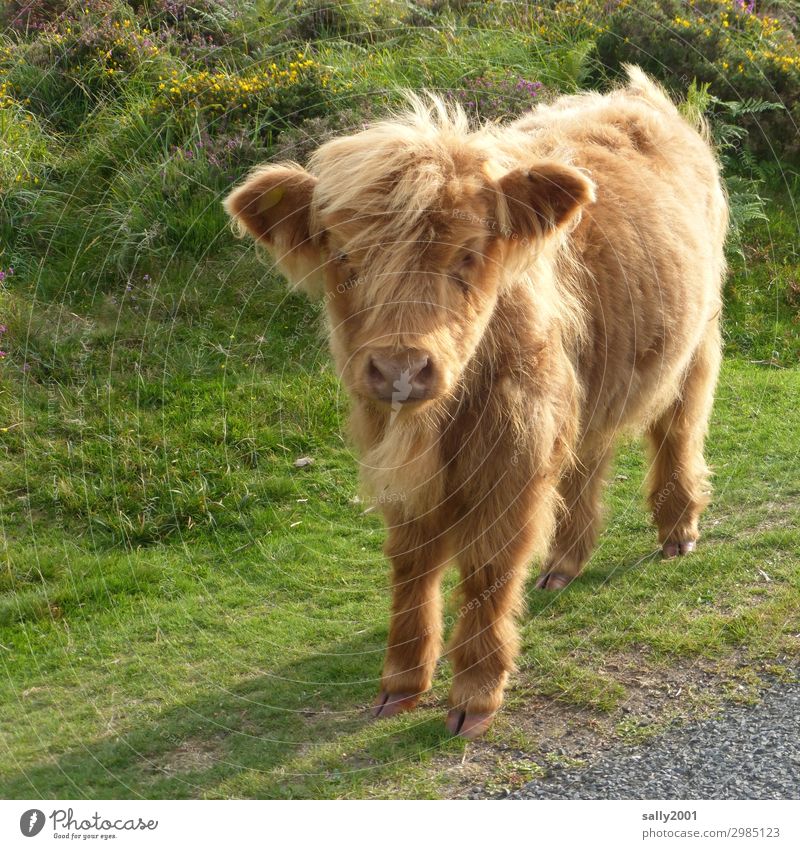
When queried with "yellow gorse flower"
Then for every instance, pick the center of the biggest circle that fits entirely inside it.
(230, 90)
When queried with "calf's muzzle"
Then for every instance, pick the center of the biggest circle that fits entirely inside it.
(400, 377)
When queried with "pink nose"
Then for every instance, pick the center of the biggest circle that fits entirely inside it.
(400, 377)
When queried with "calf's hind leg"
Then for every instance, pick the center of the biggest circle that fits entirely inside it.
(576, 532)
(678, 479)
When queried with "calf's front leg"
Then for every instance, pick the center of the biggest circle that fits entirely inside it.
(417, 552)
(500, 537)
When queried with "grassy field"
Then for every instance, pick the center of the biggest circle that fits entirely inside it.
(186, 613)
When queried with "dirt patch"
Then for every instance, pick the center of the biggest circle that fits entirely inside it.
(187, 757)
(548, 733)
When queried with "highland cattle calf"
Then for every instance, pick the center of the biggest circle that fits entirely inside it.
(502, 302)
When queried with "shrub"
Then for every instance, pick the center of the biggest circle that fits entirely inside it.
(120, 146)
(496, 98)
(277, 94)
(744, 184)
(355, 20)
(297, 143)
(739, 51)
(79, 59)
(25, 16)
(196, 31)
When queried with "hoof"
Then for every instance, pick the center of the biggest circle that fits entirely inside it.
(469, 726)
(391, 704)
(552, 581)
(677, 549)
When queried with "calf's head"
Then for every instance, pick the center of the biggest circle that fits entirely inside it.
(408, 230)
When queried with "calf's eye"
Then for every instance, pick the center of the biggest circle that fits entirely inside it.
(461, 283)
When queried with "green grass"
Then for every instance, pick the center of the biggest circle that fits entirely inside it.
(183, 611)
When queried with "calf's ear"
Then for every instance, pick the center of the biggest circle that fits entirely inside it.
(273, 205)
(543, 198)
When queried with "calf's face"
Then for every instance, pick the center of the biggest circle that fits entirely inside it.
(409, 249)
(407, 314)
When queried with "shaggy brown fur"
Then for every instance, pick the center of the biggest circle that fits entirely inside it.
(501, 303)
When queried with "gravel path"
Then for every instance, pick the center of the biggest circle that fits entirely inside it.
(750, 752)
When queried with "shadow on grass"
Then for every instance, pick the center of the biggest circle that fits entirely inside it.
(279, 735)
(599, 573)
(304, 729)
